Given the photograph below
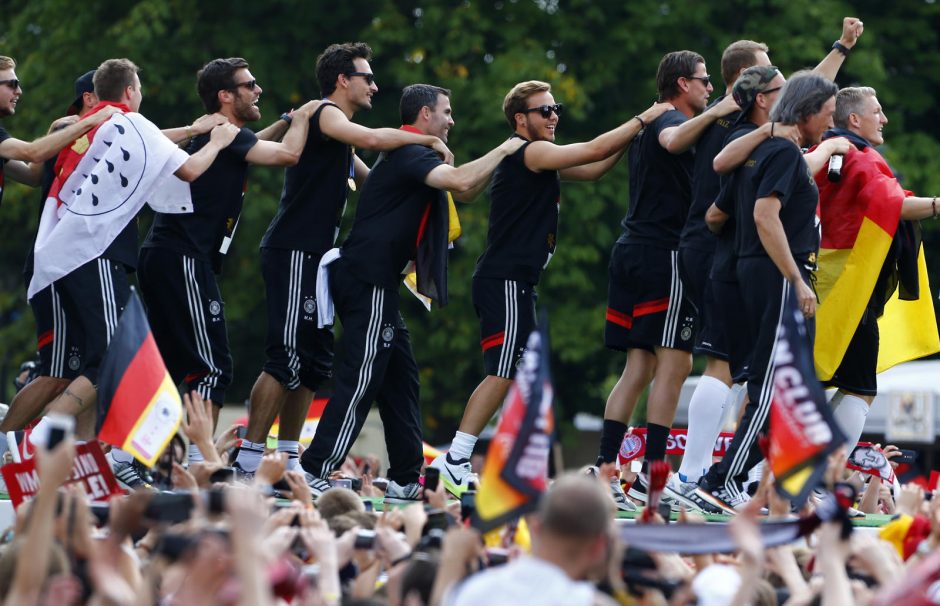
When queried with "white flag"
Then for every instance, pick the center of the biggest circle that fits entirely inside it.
(128, 164)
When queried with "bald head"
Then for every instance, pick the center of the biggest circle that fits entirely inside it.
(576, 507)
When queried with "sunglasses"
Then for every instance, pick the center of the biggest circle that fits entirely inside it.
(546, 110)
(770, 90)
(14, 83)
(706, 80)
(369, 77)
(250, 85)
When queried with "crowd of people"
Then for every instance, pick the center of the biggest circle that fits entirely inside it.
(720, 236)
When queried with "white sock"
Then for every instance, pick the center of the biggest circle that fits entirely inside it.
(40, 433)
(119, 456)
(291, 447)
(850, 414)
(462, 446)
(195, 455)
(249, 455)
(706, 409)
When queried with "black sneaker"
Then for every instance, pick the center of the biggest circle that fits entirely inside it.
(639, 489)
(722, 498)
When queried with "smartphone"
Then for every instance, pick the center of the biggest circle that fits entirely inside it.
(223, 475)
(297, 547)
(432, 475)
(240, 432)
(906, 456)
(60, 427)
(170, 507)
(366, 469)
(343, 483)
(173, 546)
(468, 505)
(497, 557)
(365, 539)
(215, 501)
(369, 506)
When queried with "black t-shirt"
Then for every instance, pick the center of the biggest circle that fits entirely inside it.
(218, 193)
(725, 259)
(394, 199)
(660, 187)
(4, 135)
(705, 182)
(314, 194)
(523, 227)
(777, 166)
(48, 176)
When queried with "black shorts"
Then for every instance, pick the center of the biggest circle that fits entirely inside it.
(506, 309)
(94, 297)
(187, 317)
(724, 335)
(856, 372)
(298, 353)
(58, 340)
(646, 306)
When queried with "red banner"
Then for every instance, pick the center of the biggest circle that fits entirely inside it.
(634, 444)
(91, 469)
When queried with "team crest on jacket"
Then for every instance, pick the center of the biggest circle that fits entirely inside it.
(388, 333)
(310, 306)
(215, 308)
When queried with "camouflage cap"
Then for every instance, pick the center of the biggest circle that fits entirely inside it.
(752, 81)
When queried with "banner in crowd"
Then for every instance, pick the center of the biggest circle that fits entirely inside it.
(90, 468)
(139, 407)
(515, 472)
(634, 444)
(803, 431)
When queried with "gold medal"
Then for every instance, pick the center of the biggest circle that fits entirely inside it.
(351, 182)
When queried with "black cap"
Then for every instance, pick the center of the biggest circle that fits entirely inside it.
(84, 84)
(752, 81)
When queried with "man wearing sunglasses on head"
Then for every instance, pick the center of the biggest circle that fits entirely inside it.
(300, 355)
(524, 202)
(183, 253)
(21, 160)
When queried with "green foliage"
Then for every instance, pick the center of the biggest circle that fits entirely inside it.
(599, 55)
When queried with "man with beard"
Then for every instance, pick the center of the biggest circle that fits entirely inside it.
(401, 217)
(525, 198)
(648, 315)
(299, 354)
(183, 253)
(773, 199)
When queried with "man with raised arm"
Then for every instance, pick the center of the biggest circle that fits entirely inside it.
(401, 218)
(184, 252)
(525, 197)
(299, 354)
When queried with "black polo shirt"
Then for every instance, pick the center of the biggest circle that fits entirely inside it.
(314, 196)
(660, 187)
(217, 196)
(523, 226)
(777, 166)
(706, 182)
(394, 199)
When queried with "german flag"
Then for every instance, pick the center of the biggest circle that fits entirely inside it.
(139, 407)
(859, 217)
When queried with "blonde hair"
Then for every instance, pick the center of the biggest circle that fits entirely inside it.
(851, 100)
(517, 98)
(7, 63)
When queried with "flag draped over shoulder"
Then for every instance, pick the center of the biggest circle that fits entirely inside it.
(420, 285)
(515, 472)
(104, 179)
(803, 431)
(139, 407)
(859, 216)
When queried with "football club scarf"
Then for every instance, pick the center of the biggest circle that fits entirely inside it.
(515, 472)
(102, 180)
(139, 407)
(860, 215)
(803, 431)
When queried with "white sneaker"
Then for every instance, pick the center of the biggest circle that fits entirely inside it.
(397, 494)
(616, 492)
(680, 492)
(456, 475)
(128, 474)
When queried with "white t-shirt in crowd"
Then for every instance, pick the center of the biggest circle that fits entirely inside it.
(527, 580)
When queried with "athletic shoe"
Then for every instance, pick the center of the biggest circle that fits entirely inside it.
(639, 488)
(678, 491)
(317, 485)
(727, 501)
(616, 491)
(456, 475)
(128, 474)
(396, 494)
